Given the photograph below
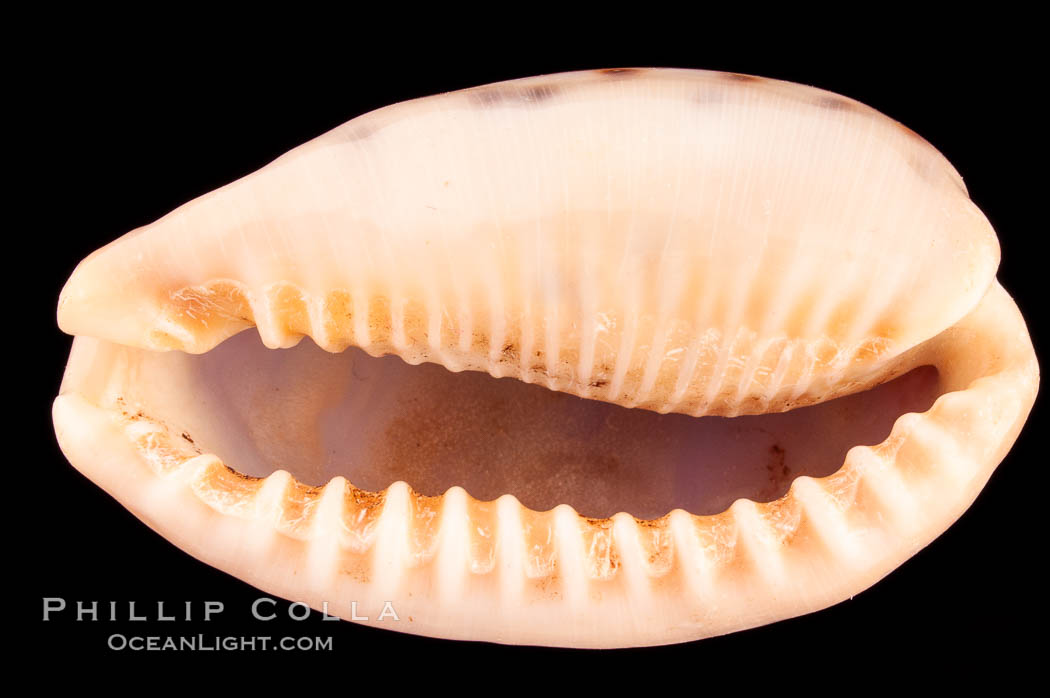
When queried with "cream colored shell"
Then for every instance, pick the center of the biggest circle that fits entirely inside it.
(677, 240)
(682, 241)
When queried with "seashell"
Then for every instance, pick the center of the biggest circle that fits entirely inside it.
(795, 290)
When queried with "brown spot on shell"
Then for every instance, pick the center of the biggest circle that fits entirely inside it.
(539, 93)
(497, 95)
(740, 77)
(619, 73)
(778, 471)
(833, 103)
(509, 354)
(357, 566)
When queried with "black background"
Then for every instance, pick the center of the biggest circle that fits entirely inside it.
(130, 129)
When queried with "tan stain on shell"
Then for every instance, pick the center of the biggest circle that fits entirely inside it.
(834, 103)
(425, 527)
(740, 77)
(288, 304)
(619, 73)
(717, 537)
(483, 533)
(525, 95)
(227, 490)
(657, 543)
(163, 450)
(361, 513)
(541, 557)
(415, 326)
(782, 518)
(298, 507)
(337, 328)
(379, 325)
(601, 555)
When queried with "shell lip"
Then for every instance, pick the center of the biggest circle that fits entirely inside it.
(120, 301)
(748, 549)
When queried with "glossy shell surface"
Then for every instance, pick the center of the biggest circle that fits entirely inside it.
(678, 241)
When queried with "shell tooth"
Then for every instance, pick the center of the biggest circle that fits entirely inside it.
(618, 581)
(713, 382)
(758, 542)
(572, 557)
(923, 455)
(282, 316)
(453, 559)
(335, 329)
(392, 552)
(356, 533)
(323, 558)
(692, 558)
(825, 520)
(511, 551)
(628, 566)
(271, 501)
(735, 568)
(328, 515)
(623, 358)
(880, 506)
